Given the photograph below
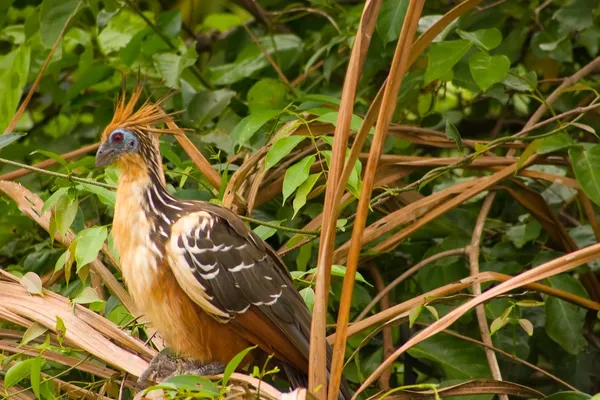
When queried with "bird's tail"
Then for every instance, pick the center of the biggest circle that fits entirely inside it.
(298, 378)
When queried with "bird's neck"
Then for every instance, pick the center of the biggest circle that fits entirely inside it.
(143, 199)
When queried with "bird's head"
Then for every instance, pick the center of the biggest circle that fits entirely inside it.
(131, 139)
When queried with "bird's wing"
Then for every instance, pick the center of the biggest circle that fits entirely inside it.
(236, 277)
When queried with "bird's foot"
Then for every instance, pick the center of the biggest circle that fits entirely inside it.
(164, 366)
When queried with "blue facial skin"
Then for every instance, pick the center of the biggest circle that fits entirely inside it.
(119, 141)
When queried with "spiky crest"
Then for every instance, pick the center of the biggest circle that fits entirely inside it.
(144, 119)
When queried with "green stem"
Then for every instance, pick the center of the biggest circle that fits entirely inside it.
(57, 174)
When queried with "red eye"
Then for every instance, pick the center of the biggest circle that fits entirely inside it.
(117, 137)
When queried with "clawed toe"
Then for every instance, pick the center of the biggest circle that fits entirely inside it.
(164, 366)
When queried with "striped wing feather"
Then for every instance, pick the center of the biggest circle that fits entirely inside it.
(238, 278)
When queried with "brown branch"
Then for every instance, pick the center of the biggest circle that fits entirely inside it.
(399, 67)
(317, 358)
(388, 343)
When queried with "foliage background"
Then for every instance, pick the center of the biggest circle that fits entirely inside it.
(258, 87)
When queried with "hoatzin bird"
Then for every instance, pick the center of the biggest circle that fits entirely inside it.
(209, 285)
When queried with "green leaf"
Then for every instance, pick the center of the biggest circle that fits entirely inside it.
(443, 56)
(89, 243)
(577, 15)
(34, 331)
(60, 329)
(565, 321)
(414, 314)
(88, 295)
(497, 324)
(458, 359)
(119, 31)
(51, 155)
(528, 152)
(36, 375)
(487, 70)
(252, 59)
(555, 142)
(524, 233)
(247, 127)
(433, 312)
(453, 134)
(17, 373)
(308, 295)
(65, 211)
(267, 94)
(53, 199)
(53, 16)
(207, 105)
(522, 82)
(170, 66)
(32, 282)
(586, 164)
(201, 387)
(570, 396)
(281, 148)
(8, 138)
(485, 39)
(107, 197)
(526, 325)
(265, 232)
(303, 191)
(296, 175)
(222, 21)
(234, 363)
(354, 180)
(331, 117)
(340, 270)
(391, 17)
(14, 69)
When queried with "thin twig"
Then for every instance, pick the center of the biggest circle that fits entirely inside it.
(474, 252)
(406, 274)
(267, 55)
(388, 344)
(19, 173)
(506, 354)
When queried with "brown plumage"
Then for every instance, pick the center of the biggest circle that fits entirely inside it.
(208, 284)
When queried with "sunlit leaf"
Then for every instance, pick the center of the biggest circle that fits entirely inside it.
(296, 175)
(89, 243)
(443, 56)
(586, 165)
(281, 148)
(486, 39)
(9, 138)
(247, 127)
(32, 282)
(234, 363)
(19, 371)
(88, 295)
(34, 331)
(487, 70)
(303, 191)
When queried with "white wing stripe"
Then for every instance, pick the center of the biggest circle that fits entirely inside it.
(241, 267)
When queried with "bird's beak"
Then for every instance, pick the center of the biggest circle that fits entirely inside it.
(106, 154)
